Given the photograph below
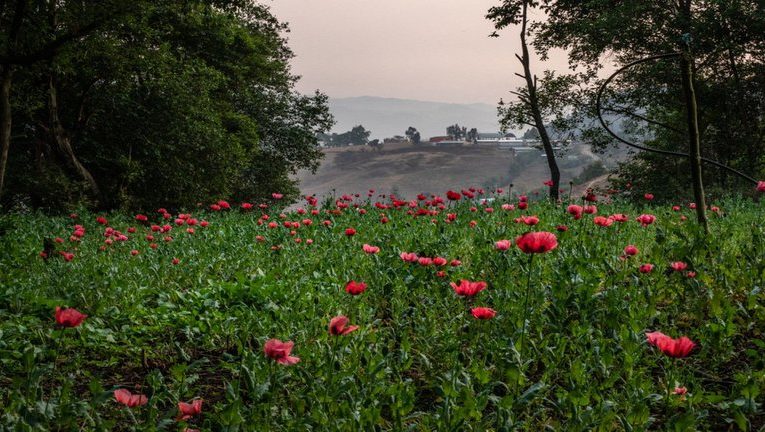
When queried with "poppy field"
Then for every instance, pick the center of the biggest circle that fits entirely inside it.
(466, 311)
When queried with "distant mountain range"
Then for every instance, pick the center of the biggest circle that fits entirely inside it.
(386, 117)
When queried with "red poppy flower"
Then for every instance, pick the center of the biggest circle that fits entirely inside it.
(619, 217)
(483, 313)
(603, 221)
(508, 207)
(575, 211)
(338, 326)
(761, 186)
(548, 183)
(69, 317)
(453, 196)
(128, 399)
(648, 197)
(680, 391)
(530, 220)
(561, 228)
(355, 288)
(102, 220)
(424, 261)
(280, 351)
(646, 219)
(439, 261)
(503, 245)
(631, 250)
(676, 348)
(678, 266)
(455, 263)
(408, 256)
(523, 205)
(370, 249)
(189, 410)
(646, 268)
(467, 288)
(350, 232)
(591, 197)
(537, 242)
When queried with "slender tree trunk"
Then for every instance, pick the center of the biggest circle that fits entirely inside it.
(536, 113)
(691, 110)
(5, 120)
(694, 141)
(63, 142)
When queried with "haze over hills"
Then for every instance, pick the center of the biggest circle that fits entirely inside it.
(386, 117)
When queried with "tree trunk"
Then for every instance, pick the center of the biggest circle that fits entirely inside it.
(692, 118)
(64, 144)
(694, 141)
(536, 113)
(5, 120)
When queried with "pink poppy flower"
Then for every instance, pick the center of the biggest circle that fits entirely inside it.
(189, 410)
(483, 313)
(503, 245)
(370, 249)
(676, 348)
(467, 288)
(537, 242)
(338, 326)
(280, 351)
(130, 400)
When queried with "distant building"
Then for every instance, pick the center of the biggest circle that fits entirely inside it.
(506, 141)
(438, 139)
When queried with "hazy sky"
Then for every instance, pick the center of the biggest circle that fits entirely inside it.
(435, 50)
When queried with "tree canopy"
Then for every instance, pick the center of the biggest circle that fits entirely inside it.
(161, 103)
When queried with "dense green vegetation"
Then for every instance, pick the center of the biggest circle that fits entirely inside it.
(148, 103)
(420, 360)
(719, 43)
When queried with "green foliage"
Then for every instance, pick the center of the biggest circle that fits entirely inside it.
(169, 104)
(724, 40)
(356, 136)
(591, 171)
(420, 361)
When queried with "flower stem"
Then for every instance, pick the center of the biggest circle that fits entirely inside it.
(525, 305)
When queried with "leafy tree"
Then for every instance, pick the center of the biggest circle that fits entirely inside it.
(539, 101)
(358, 135)
(472, 134)
(172, 104)
(413, 135)
(717, 66)
(456, 132)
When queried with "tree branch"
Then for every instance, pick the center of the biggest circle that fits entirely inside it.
(49, 50)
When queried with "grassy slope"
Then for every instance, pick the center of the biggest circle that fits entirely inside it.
(419, 359)
(411, 170)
